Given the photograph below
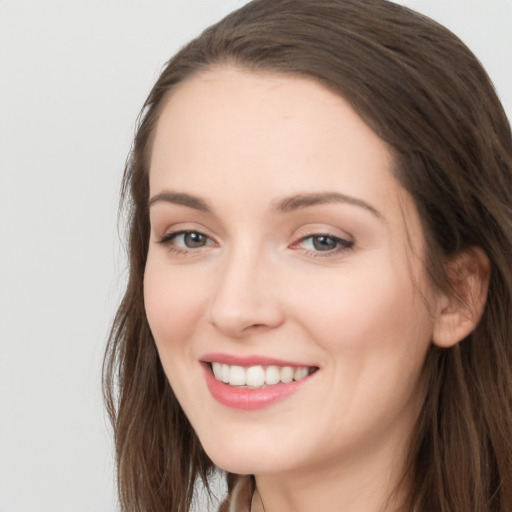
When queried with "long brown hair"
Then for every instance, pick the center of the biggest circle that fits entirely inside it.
(425, 94)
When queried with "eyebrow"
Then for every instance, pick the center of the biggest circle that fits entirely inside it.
(182, 199)
(300, 201)
(285, 205)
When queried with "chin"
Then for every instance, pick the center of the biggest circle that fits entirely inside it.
(249, 459)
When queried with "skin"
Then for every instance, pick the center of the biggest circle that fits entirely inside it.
(241, 142)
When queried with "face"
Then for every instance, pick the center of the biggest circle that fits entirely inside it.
(283, 275)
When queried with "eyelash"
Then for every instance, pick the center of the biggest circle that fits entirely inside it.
(168, 238)
(342, 245)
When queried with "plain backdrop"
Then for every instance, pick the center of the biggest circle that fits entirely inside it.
(73, 75)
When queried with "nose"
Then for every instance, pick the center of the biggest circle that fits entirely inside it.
(245, 299)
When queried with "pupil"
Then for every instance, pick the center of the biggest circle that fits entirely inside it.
(324, 243)
(194, 240)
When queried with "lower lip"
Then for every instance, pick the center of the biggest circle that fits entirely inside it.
(249, 399)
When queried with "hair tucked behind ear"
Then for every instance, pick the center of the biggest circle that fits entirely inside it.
(424, 93)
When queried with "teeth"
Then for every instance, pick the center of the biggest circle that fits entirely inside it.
(272, 375)
(236, 376)
(225, 373)
(287, 374)
(217, 370)
(258, 376)
(255, 376)
(300, 373)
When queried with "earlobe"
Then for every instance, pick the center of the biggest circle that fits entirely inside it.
(460, 308)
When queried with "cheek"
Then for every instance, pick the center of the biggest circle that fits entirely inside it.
(374, 339)
(369, 314)
(174, 302)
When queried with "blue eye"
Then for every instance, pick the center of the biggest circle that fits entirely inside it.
(182, 240)
(192, 239)
(325, 243)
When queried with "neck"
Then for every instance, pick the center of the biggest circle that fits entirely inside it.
(365, 484)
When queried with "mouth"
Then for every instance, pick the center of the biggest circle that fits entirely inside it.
(253, 383)
(258, 376)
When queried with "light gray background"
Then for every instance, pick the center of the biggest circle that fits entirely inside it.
(73, 75)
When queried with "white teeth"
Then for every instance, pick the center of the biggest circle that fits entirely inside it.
(300, 373)
(272, 375)
(287, 374)
(217, 370)
(258, 376)
(236, 376)
(255, 376)
(225, 373)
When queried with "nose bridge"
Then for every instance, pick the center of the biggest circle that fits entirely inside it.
(244, 297)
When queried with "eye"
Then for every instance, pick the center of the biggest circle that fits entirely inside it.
(324, 243)
(183, 240)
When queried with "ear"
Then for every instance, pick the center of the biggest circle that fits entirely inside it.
(460, 308)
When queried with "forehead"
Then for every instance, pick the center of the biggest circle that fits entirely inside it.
(260, 121)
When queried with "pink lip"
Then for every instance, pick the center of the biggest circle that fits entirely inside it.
(247, 360)
(249, 399)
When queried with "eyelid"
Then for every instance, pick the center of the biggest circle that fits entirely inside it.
(169, 236)
(168, 229)
(318, 229)
(345, 241)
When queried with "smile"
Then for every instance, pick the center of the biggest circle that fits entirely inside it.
(254, 377)
(251, 386)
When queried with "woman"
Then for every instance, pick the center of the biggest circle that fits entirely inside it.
(319, 299)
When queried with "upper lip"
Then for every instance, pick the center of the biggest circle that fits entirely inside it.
(250, 360)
